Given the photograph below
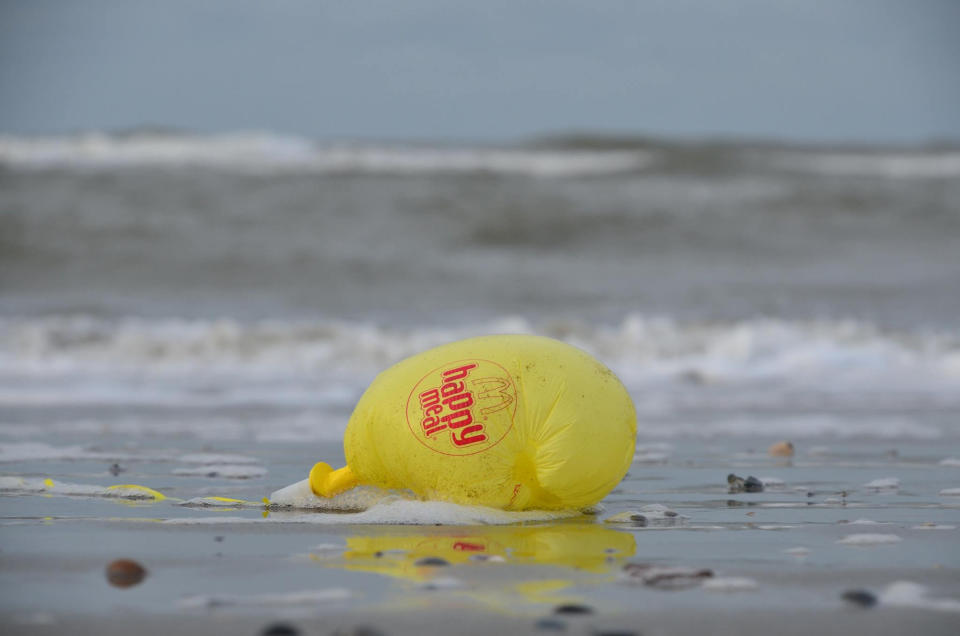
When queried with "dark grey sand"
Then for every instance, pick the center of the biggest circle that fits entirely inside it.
(780, 560)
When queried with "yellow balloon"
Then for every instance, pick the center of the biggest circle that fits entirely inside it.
(513, 422)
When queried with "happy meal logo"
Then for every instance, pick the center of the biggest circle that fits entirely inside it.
(463, 407)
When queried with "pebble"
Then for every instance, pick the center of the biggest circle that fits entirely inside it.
(781, 449)
(116, 469)
(360, 630)
(279, 629)
(863, 598)
(431, 562)
(125, 573)
(218, 538)
(572, 608)
(665, 577)
(739, 484)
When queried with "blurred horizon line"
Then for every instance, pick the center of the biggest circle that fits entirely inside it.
(574, 138)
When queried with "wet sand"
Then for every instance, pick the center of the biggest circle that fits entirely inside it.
(465, 621)
(838, 517)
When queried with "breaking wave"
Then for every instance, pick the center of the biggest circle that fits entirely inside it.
(262, 153)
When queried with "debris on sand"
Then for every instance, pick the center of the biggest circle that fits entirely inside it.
(651, 515)
(861, 598)
(572, 609)
(431, 561)
(739, 484)
(125, 573)
(781, 449)
(664, 577)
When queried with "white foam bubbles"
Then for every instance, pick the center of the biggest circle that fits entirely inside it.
(869, 539)
(883, 484)
(910, 594)
(730, 584)
(803, 368)
(393, 512)
(263, 153)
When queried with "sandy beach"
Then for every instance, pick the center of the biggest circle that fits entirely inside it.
(671, 552)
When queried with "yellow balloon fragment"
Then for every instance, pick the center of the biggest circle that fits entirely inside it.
(513, 422)
(148, 493)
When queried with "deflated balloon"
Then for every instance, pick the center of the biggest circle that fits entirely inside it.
(514, 422)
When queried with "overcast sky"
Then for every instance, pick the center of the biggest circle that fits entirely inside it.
(862, 70)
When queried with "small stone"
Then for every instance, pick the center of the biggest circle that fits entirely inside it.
(572, 609)
(279, 629)
(551, 624)
(360, 630)
(781, 449)
(863, 598)
(116, 469)
(694, 376)
(125, 573)
(218, 538)
(739, 484)
(752, 484)
(735, 483)
(431, 562)
(664, 577)
(378, 554)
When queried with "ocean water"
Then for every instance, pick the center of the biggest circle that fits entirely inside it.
(249, 286)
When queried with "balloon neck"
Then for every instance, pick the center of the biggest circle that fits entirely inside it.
(327, 482)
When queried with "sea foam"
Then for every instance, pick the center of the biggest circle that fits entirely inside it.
(264, 153)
